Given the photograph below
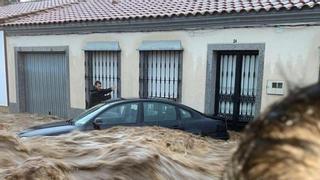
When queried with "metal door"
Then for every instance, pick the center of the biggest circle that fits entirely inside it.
(237, 85)
(46, 83)
(3, 74)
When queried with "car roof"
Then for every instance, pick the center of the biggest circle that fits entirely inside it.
(163, 100)
(141, 99)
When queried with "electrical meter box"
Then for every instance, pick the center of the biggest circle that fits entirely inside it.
(275, 87)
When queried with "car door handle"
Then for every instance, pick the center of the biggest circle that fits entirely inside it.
(177, 127)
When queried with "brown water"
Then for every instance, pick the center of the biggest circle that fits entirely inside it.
(117, 153)
(283, 143)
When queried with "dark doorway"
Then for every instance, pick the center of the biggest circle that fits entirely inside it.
(236, 82)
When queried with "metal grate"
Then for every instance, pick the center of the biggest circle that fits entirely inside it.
(248, 87)
(160, 74)
(103, 66)
(237, 85)
(227, 85)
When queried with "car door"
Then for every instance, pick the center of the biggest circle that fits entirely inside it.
(119, 115)
(150, 114)
(189, 122)
(161, 114)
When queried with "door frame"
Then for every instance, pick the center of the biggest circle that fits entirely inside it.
(212, 59)
(19, 73)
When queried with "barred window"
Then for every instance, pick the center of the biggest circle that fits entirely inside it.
(161, 74)
(103, 66)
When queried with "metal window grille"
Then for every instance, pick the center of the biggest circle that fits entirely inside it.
(161, 74)
(237, 85)
(103, 66)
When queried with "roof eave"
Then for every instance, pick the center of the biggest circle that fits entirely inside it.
(206, 21)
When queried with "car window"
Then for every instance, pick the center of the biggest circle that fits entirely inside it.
(88, 114)
(153, 111)
(120, 114)
(185, 114)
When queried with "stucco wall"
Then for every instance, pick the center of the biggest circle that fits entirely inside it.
(291, 54)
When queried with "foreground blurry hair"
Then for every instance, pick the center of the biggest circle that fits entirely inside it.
(282, 143)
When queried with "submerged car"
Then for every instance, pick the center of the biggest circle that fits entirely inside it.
(136, 112)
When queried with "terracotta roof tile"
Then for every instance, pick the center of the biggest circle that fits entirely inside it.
(63, 11)
(31, 7)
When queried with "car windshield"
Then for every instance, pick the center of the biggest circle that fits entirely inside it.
(88, 114)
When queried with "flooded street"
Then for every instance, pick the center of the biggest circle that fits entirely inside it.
(117, 153)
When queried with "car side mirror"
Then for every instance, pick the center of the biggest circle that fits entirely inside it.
(97, 122)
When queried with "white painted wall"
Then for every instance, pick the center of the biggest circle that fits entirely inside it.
(3, 78)
(291, 54)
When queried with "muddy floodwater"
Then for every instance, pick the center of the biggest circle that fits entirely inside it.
(116, 153)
